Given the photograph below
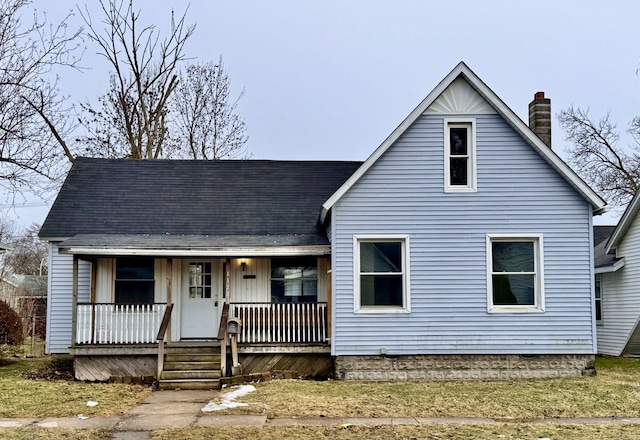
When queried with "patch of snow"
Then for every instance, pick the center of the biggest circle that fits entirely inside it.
(228, 400)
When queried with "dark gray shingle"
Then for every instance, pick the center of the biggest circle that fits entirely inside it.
(226, 198)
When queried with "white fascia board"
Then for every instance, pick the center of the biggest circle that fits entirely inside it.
(625, 222)
(214, 252)
(613, 268)
(540, 147)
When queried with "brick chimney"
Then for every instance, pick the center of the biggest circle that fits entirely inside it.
(540, 117)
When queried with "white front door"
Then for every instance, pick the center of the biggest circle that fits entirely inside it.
(200, 292)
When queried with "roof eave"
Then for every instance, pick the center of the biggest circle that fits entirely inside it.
(262, 251)
(612, 268)
(624, 223)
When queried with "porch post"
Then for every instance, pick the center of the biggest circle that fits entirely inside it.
(169, 292)
(74, 301)
(94, 276)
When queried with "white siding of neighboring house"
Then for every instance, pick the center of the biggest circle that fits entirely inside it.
(621, 297)
(59, 304)
(517, 193)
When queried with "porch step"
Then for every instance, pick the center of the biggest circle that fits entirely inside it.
(191, 367)
(188, 384)
(215, 358)
(190, 374)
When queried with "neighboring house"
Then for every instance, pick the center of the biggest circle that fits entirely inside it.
(16, 289)
(617, 281)
(460, 249)
(27, 295)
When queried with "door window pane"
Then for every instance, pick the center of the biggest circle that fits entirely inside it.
(200, 280)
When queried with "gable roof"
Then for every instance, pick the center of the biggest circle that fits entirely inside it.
(463, 71)
(624, 223)
(603, 261)
(163, 201)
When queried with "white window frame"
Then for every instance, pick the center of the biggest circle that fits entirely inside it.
(472, 179)
(406, 297)
(539, 296)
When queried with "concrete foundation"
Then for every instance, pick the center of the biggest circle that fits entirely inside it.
(461, 367)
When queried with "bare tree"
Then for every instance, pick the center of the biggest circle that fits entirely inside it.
(205, 114)
(26, 254)
(32, 118)
(131, 120)
(598, 158)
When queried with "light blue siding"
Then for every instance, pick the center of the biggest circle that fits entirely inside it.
(621, 299)
(518, 193)
(59, 303)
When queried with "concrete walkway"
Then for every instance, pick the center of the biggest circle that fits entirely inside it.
(180, 409)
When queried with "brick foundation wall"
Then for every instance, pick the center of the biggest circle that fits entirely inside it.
(462, 367)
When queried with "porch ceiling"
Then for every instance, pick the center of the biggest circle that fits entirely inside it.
(195, 245)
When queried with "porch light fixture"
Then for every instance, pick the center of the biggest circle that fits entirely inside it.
(243, 263)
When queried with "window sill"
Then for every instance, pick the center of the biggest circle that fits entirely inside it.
(381, 310)
(515, 309)
(462, 189)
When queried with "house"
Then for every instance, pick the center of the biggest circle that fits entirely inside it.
(460, 249)
(18, 288)
(617, 267)
(27, 295)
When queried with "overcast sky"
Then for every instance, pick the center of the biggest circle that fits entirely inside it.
(331, 79)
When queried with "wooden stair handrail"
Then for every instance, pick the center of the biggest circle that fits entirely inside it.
(160, 338)
(165, 323)
(224, 317)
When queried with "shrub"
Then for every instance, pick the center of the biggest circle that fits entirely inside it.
(10, 326)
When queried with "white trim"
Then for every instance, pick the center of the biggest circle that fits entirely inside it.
(406, 276)
(214, 252)
(613, 268)
(624, 223)
(539, 295)
(598, 204)
(472, 179)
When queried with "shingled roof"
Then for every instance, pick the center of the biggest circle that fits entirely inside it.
(161, 198)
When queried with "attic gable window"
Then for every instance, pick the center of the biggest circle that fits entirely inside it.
(515, 279)
(381, 274)
(460, 155)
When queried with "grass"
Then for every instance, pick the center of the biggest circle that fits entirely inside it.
(502, 431)
(614, 392)
(21, 397)
(54, 434)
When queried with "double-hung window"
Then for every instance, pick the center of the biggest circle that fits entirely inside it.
(294, 280)
(460, 155)
(134, 283)
(381, 274)
(515, 273)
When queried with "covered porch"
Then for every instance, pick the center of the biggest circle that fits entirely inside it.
(139, 303)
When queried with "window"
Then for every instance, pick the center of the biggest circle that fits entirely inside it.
(199, 280)
(381, 274)
(515, 274)
(460, 160)
(598, 287)
(134, 280)
(294, 280)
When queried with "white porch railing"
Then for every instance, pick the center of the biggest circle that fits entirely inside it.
(105, 323)
(281, 322)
